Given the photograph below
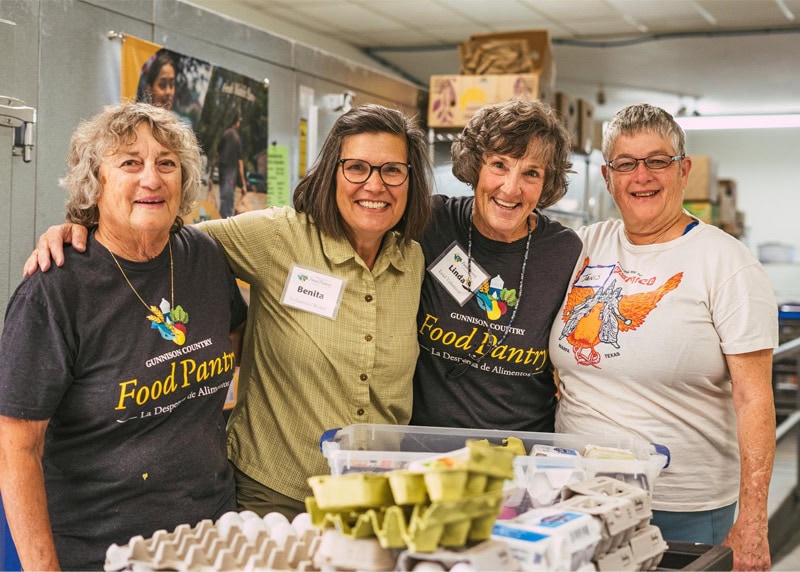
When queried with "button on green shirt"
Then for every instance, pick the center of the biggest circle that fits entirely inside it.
(302, 373)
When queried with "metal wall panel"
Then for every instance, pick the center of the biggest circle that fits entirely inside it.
(18, 79)
(6, 140)
(77, 78)
(219, 31)
(370, 84)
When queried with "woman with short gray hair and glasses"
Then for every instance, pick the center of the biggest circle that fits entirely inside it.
(667, 333)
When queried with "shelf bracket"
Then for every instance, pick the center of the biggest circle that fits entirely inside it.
(14, 113)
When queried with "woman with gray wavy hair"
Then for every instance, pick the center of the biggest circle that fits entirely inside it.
(111, 397)
(497, 271)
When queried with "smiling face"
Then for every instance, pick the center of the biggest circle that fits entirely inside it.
(372, 208)
(163, 87)
(508, 190)
(648, 200)
(140, 193)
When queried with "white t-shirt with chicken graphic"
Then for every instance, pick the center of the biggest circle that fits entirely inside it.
(640, 346)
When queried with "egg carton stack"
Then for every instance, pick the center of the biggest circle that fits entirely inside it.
(600, 524)
(237, 541)
(628, 540)
(548, 469)
(447, 500)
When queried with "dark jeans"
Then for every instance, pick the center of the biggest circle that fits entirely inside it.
(227, 189)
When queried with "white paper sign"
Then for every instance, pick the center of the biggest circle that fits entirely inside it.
(451, 269)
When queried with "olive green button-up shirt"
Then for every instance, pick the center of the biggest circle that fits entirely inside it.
(301, 373)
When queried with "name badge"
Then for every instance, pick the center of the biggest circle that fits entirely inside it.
(450, 270)
(313, 292)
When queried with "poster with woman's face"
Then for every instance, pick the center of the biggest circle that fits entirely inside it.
(209, 99)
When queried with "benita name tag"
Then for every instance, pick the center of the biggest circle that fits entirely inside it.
(450, 270)
(313, 292)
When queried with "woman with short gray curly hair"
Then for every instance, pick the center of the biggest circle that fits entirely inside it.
(116, 127)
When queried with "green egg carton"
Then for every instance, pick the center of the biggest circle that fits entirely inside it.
(445, 501)
(489, 460)
(388, 524)
(446, 484)
(408, 487)
(355, 490)
(423, 528)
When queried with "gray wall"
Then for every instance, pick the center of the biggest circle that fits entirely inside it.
(63, 63)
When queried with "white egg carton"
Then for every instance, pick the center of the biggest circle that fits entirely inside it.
(623, 511)
(643, 552)
(237, 541)
(615, 516)
(340, 552)
(550, 538)
(488, 555)
(648, 547)
(613, 487)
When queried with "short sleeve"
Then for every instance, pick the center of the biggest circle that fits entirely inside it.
(35, 360)
(745, 312)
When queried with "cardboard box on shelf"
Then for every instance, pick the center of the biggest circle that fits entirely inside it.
(495, 57)
(727, 201)
(597, 135)
(454, 99)
(735, 228)
(568, 109)
(740, 218)
(702, 183)
(539, 47)
(584, 141)
(705, 211)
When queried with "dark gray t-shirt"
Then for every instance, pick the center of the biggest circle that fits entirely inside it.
(136, 440)
(461, 380)
(230, 150)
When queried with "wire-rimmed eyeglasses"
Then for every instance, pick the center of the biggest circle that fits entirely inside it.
(653, 162)
(358, 171)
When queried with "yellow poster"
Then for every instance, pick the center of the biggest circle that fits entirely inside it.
(135, 53)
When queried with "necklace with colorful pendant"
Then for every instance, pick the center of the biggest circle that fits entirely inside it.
(170, 320)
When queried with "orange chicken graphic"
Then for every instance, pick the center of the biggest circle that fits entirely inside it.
(595, 315)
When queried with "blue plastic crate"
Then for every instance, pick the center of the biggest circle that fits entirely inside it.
(9, 560)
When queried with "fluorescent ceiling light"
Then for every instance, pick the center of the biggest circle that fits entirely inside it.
(739, 121)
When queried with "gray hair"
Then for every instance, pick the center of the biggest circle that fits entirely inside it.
(104, 134)
(639, 118)
(509, 129)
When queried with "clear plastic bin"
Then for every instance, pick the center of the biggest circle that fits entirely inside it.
(377, 447)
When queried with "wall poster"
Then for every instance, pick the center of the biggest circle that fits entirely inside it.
(229, 115)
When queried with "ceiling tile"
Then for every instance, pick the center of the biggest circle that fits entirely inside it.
(748, 14)
(726, 71)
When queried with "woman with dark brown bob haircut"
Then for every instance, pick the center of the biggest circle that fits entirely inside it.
(316, 193)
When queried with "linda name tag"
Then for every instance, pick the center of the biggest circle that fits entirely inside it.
(451, 269)
(313, 292)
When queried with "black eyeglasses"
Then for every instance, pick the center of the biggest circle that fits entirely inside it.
(358, 171)
(653, 162)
